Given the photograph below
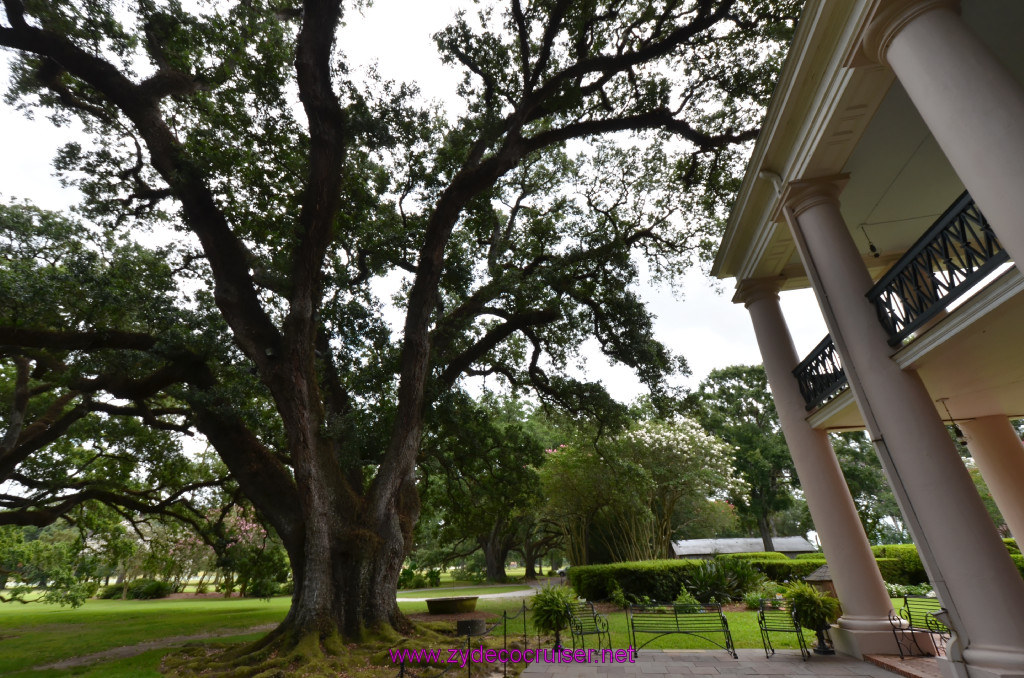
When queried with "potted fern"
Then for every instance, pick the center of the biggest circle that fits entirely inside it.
(813, 609)
(551, 610)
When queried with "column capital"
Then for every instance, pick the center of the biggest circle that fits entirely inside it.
(888, 18)
(755, 289)
(802, 195)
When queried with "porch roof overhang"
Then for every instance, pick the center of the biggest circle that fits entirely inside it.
(828, 118)
(802, 136)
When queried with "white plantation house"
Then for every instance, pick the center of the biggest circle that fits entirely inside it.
(889, 178)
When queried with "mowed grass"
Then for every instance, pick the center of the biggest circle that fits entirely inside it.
(742, 626)
(36, 634)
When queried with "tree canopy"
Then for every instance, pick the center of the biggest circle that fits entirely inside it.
(296, 186)
(735, 404)
(626, 497)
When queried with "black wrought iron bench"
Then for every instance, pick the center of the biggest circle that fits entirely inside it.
(776, 616)
(585, 621)
(917, 616)
(703, 621)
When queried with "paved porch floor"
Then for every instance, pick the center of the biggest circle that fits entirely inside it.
(656, 663)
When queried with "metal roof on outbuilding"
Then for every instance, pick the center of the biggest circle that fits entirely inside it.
(705, 547)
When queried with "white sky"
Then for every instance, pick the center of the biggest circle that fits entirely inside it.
(704, 326)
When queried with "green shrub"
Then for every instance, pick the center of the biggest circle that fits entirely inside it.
(911, 570)
(719, 581)
(1018, 560)
(757, 555)
(405, 578)
(900, 590)
(786, 570)
(617, 597)
(753, 600)
(418, 581)
(812, 608)
(891, 569)
(110, 592)
(685, 598)
(148, 589)
(264, 589)
(769, 590)
(434, 577)
(655, 579)
(1011, 545)
(709, 583)
(809, 556)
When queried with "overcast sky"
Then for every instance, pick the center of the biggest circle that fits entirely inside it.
(704, 326)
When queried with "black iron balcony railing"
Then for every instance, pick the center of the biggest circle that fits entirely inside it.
(957, 252)
(820, 375)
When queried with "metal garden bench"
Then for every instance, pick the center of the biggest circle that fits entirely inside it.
(917, 616)
(703, 621)
(585, 621)
(777, 617)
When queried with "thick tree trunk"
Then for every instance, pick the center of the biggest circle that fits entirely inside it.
(345, 586)
(766, 532)
(496, 547)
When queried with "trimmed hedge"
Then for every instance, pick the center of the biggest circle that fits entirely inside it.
(788, 569)
(911, 571)
(890, 568)
(662, 579)
(1011, 545)
(759, 555)
(809, 556)
(656, 579)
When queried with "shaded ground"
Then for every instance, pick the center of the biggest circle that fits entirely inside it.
(137, 649)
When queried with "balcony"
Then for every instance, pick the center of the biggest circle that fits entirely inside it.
(820, 374)
(955, 254)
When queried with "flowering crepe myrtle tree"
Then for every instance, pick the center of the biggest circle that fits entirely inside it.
(296, 184)
(627, 491)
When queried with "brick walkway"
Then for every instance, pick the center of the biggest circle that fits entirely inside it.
(656, 663)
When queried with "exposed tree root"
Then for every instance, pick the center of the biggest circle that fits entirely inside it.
(285, 652)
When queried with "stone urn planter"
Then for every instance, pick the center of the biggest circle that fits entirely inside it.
(453, 605)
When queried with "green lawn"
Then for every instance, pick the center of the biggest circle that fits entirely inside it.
(742, 625)
(40, 634)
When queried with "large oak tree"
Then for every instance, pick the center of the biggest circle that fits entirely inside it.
(297, 185)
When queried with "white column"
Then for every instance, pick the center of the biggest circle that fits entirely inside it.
(965, 559)
(864, 627)
(999, 454)
(971, 103)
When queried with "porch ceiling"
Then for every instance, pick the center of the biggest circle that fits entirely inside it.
(900, 180)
